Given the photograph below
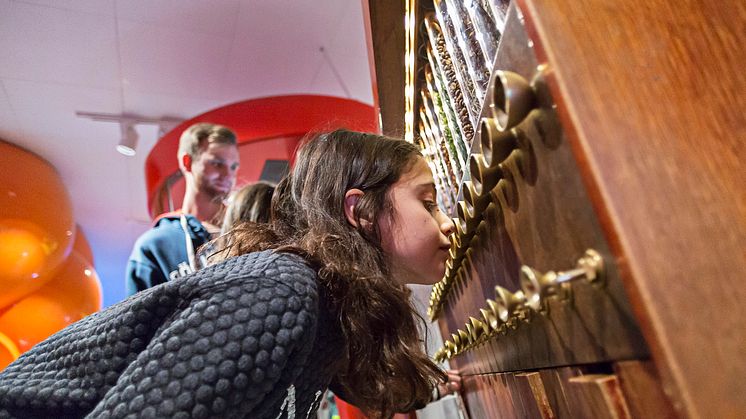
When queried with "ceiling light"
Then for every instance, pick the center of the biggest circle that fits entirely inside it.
(128, 143)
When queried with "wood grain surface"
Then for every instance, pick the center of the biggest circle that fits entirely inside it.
(384, 27)
(551, 225)
(652, 95)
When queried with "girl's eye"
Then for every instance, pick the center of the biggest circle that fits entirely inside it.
(430, 206)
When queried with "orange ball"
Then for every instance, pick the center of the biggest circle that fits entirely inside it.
(72, 294)
(22, 253)
(8, 351)
(81, 245)
(32, 198)
(24, 260)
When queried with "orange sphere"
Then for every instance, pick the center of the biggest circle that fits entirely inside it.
(24, 260)
(72, 294)
(32, 198)
(81, 246)
(22, 253)
(8, 351)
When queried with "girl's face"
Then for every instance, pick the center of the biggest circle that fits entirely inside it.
(415, 237)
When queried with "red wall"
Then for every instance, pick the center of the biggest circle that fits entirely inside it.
(273, 123)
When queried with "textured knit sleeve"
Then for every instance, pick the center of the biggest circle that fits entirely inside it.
(225, 342)
(225, 352)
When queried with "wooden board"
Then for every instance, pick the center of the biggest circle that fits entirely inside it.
(552, 224)
(643, 390)
(652, 98)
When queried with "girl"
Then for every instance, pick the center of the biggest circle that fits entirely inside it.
(314, 299)
(250, 203)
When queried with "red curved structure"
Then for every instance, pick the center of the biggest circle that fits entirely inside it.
(279, 120)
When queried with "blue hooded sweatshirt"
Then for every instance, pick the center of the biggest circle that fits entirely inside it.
(161, 255)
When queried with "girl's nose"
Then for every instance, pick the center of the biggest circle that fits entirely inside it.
(446, 225)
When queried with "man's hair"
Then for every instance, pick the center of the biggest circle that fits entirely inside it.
(197, 136)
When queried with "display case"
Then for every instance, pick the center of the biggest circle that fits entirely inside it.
(589, 154)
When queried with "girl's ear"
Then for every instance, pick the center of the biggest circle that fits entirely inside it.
(351, 198)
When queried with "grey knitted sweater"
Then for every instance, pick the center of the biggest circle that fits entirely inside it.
(248, 338)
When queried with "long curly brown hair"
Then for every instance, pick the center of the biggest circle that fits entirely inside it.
(386, 370)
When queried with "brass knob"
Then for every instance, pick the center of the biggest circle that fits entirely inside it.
(479, 241)
(537, 287)
(491, 321)
(439, 288)
(510, 305)
(485, 228)
(592, 263)
(545, 121)
(513, 99)
(466, 341)
(456, 339)
(506, 191)
(472, 214)
(455, 236)
(496, 323)
(450, 348)
(457, 255)
(455, 242)
(460, 231)
(470, 331)
(465, 226)
(471, 335)
(484, 176)
(457, 251)
(480, 329)
(492, 216)
(496, 144)
(473, 203)
(525, 158)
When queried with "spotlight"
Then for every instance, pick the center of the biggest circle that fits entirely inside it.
(128, 142)
(127, 122)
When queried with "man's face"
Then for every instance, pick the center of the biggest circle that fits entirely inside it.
(214, 169)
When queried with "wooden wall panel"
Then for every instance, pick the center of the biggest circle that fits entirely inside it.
(550, 226)
(643, 390)
(647, 170)
(651, 94)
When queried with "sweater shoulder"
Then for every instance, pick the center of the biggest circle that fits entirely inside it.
(265, 270)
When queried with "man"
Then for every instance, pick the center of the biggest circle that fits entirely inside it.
(208, 158)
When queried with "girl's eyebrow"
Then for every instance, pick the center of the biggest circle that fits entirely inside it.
(426, 187)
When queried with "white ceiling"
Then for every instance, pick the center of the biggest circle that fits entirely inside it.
(155, 58)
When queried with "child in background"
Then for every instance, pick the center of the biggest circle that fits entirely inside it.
(315, 299)
(251, 203)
